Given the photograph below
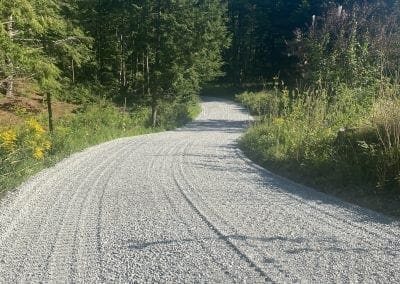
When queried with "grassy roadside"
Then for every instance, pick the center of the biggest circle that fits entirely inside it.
(346, 147)
(363, 195)
(27, 148)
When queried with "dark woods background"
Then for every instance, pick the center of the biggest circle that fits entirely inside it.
(265, 34)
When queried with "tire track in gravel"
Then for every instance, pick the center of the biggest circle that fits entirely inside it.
(61, 209)
(217, 232)
(22, 218)
(229, 226)
(147, 175)
(235, 177)
(185, 166)
(16, 205)
(175, 213)
(234, 227)
(24, 201)
(99, 187)
(63, 247)
(175, 152)
(345, 207)
(389, 234)
(111, 273)
(369, 234)
(363, 239)
(310, 209)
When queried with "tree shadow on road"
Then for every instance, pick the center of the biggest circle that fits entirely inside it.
(216, 125)
(288, 246)
(323, 203)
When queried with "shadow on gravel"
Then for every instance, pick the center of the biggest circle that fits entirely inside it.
(135, 245)
(304, 194)
(217, 125)
(296, 245)
(318, 201)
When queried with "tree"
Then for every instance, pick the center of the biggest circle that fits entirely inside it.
(357, 46)
(149, 50)
(36, 40)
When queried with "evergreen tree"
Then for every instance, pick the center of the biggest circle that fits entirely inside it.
(36, 40)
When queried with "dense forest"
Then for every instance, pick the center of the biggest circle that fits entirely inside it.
(155, 50)
(329, 72)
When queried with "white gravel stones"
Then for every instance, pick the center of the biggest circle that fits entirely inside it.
(187, 206)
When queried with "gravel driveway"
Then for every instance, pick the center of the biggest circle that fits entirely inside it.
(187, 206)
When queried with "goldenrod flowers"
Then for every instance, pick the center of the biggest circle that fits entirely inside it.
(31, 139)
(8, 140)
(37, 139)
(35, 126)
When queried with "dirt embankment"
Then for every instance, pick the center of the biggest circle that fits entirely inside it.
(13, 110)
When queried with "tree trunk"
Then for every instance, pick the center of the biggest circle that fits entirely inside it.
(154, 113)
(155, 94)
(148, 75)
(100, 41)
(144, 74)
(73, 71)
(10, 66)
(10, 86)
(152, 95)
(50, 113)
(121, 61)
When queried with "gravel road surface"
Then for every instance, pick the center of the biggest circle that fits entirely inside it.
(187, 206)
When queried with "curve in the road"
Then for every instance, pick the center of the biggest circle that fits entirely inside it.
(187, 206)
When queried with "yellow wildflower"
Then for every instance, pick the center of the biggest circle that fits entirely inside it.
(8, 140)
(38, 153)
(47, 145)
(35, 125)
(279, 121)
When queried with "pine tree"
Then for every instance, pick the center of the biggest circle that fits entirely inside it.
(36, 41)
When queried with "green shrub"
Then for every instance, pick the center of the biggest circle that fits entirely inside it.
(177, 112)
(371, 151)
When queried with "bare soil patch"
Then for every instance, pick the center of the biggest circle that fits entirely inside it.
(13, 110)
